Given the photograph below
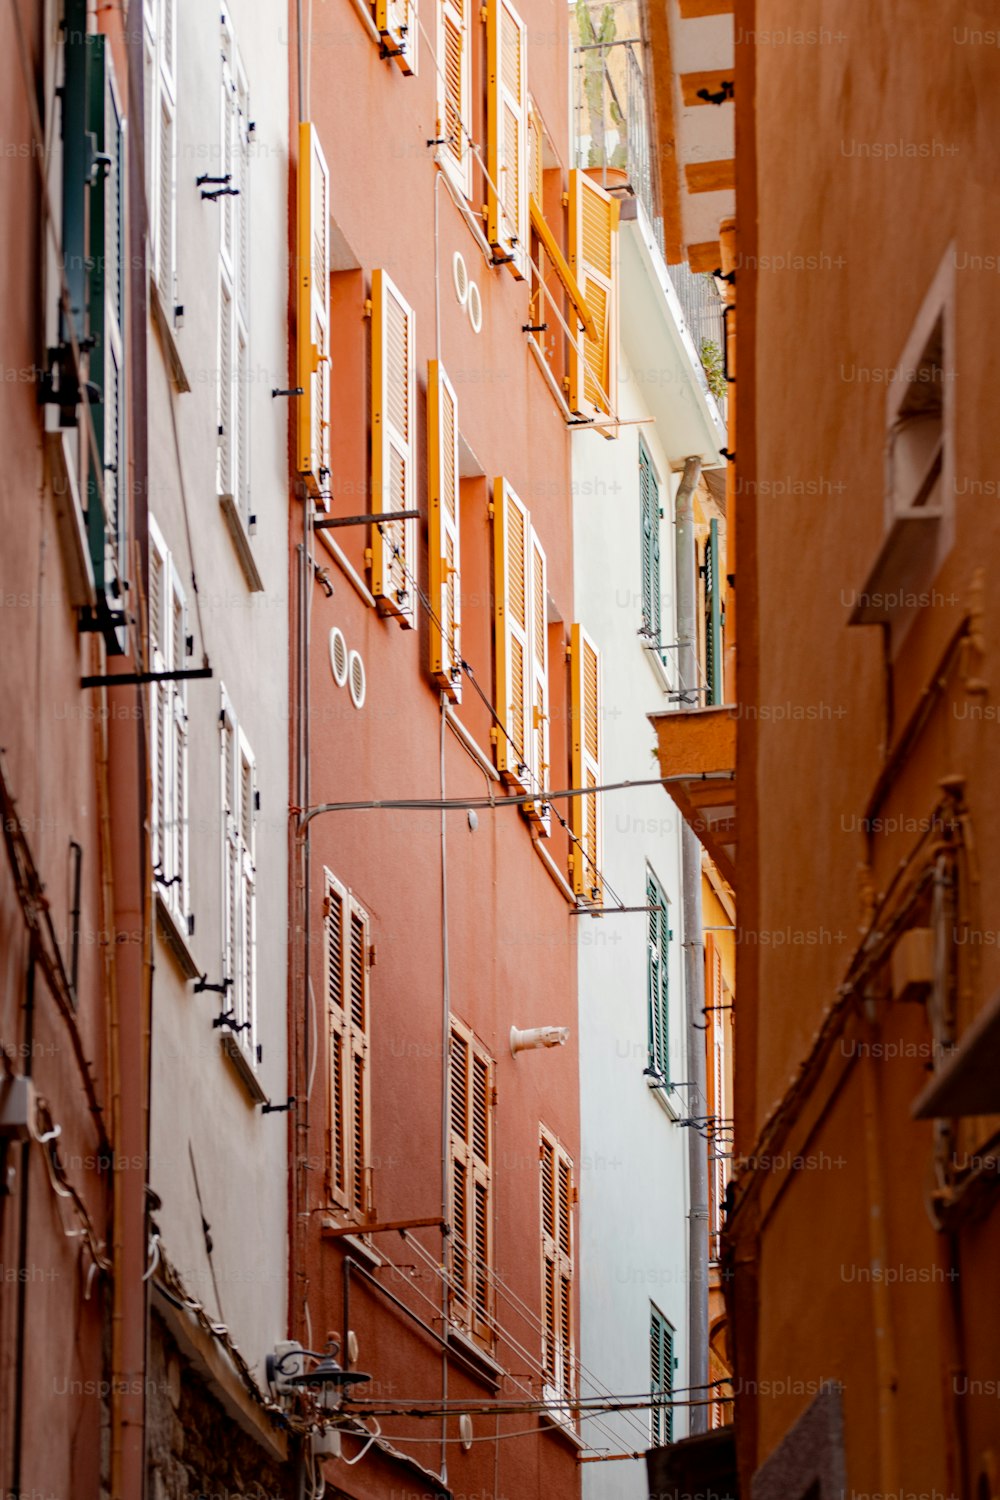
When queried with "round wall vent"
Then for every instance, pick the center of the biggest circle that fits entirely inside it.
(461, 277)
(465, 1431)
(475, 306)
(338, 656)
(357, 676)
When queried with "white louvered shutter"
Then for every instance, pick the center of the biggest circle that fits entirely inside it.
(444, 532)
(507, 128)
(394, 488)
(593, 259)
(512, 575)
(313, 316)
(585, 762)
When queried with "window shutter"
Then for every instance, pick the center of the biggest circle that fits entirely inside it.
(397, 25)
(658, 978)
(713, 616)
(585, 761)
(234, 257)
(313, 314)
(159, 692)
(593, 259)
(244, 1001)
(230, 849)
(649, 498)
(557, 1199)
(454, 91)
(175, 702)
(539, 812)
(347, 968)
(443, 529)
(471, 1157)
(76, 127)
(535, 158)
(394, 543)
(163, 208)
(507, 129)
(512, 604)
(661, 1372)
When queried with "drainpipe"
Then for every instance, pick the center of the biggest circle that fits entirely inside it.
(685, 576)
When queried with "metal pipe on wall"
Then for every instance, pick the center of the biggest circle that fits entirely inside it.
(685, 575)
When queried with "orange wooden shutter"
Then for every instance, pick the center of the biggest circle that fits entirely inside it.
(394, 543)
(444, 532)
(313, 316)
(539, 686)
(471, 1156)
(593, 259)
(557, 1199)
(346, 963)
(454, 91)
(507, 131)
(396, 21)
(585, 758)
(512, 603)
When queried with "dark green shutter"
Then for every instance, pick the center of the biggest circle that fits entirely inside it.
(649, 500)
(657, 982)
(661, 1377)
(78, 154)
(713, 617)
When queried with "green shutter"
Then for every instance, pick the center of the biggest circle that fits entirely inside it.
(649, 500)
(78, 152)
(661, 1376)
(713, 617)
(105, 294)
(657, 983)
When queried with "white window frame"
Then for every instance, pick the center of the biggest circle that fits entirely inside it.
(234, 277)
(160, 56)
(238, 928)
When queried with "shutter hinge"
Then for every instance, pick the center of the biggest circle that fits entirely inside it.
(490, 509)
(484, 13)
(326, 906)
(565, 200)
(494, 1096)
(494, 734)
(372, 955)
(256, 801)
(368, 308)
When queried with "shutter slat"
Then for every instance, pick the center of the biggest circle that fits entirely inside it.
(593, 259)
(313, 314)
(585, 758)
(507, 136)
(444, 541)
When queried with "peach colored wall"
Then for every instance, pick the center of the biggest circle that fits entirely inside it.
(510, 939)
(889, 179)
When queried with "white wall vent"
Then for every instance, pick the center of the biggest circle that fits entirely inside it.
(357, 679)
(338, 656)
(461, 277)
(475, 306)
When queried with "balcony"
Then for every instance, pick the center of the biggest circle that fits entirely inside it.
(697, 753)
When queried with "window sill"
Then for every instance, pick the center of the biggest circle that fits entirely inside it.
(241, 541)
(243, 1068)
(176, 939)
(72, 533)
(665, 1099)
(164, 328)
(656, 666)
(552, 1422)
(492, 1372)
(356, 1244)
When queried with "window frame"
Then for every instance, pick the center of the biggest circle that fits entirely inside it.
(471, 1299)
(168, 719)
(234, 278)
(238, 928)
(662, 1334)
(658, 935)
(558, 1262)
(348, 1178)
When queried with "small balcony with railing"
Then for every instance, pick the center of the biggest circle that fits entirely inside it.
(614, 142)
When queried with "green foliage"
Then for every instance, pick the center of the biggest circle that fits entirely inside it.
(711, 359)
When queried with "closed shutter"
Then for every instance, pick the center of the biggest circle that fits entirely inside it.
(168, 729)
(454, 91)
(159, 697)
(539, 811)
(175, 702)
(229, 734)
(470, 1072)
(507, 128)
(163, 207)
(558, 1196)
(397, 25)
(585, 758)
(245, 998)
(394, 543)
(661, 1378)
(535, 162)
(313, 315)
(444, 532)
(657, 978)
(649, 500)
(593, 259)
(234, 295)
(347, 975)
(713, 616)
(512, 607)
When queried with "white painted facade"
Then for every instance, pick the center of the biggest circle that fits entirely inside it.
(634, 1171)
(215, 1156)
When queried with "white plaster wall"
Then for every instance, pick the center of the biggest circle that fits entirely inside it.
(199, 1104)
(634, 1192)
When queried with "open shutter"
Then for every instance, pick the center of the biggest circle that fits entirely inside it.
(511, 583)
(234, 295)
(507, 129)
(175, 702)
(443, 527)
(358, 1064)
(245, 1000)
(658, 977)
(539, 811)
(454, 91)
(163, 208)
(230, 849)
(458, 1075)
(338, 1114)
(661, 1373)
(585, 753)
(313, 315)
(394, 543)
(593, 259)
(713, 617)
(649, 499)
(470, 1159)
(557, 1199)
(396, 21)
(347, 972)
(159, 696)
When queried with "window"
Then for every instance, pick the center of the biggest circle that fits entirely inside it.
(394, 543)
(239, 926)
(160, 42)
(661, 1377)
(443, 527)
(585, 812)
(507, 135)
(313, 316)
(234, 282)
(593, 259)
(657, 978)
(454, 91)
(399, 28)
(649, 505)
(470, 1136)
(558, 1196)
(713, 617)
(168, 652)
(521, 630)
(347, 963)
